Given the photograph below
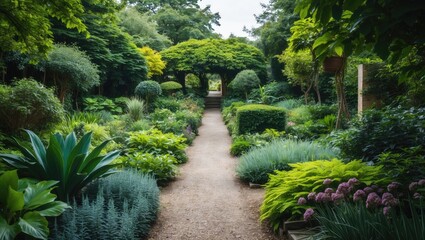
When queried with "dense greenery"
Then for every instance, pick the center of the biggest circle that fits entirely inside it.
(148, 91)
(285, 187)
(256, 165)
(120, 206)
(28, 104)
(243, 83)
(257, 118)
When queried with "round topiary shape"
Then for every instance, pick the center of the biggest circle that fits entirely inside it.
(171, 87)
(244, 82)
(148, 90)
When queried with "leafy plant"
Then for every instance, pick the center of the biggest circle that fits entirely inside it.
(157, 143)
(256, 165)
(242, 143)
(289, 103)
(28, 104)
(244, 82)
(64, 160)
(135, 109)
(121, 206)
(257, 118)
(148, 91)
(170, 87)
(239, 147)
(162, 167)
(24, 206)
(99, 103)
(285, 187)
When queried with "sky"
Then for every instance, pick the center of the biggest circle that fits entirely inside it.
(235, 14)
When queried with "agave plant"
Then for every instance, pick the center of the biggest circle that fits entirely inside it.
(65, 160)
(24, 206)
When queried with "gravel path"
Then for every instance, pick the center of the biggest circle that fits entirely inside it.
(207, 201)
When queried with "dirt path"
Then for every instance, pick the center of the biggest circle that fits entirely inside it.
(207, 201)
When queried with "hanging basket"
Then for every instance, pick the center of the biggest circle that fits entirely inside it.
(333, 64)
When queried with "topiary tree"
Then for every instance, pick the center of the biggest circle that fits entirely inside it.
(28, 104)
(170, 87)
(148, 90)
(244, 82)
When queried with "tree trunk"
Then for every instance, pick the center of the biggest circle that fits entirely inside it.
(342, 101)
(204, 82)
(181, 77)
(224, 82)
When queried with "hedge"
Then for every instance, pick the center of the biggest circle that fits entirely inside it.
(255, 118)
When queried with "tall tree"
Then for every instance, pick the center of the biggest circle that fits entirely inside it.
(25, 25)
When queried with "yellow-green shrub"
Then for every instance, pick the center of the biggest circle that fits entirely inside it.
(285, 187)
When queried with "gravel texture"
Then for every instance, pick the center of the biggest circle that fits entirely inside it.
(207, 201)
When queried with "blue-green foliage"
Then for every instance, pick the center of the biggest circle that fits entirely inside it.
(121, 206)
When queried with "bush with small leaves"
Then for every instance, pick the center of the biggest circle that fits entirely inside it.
(148, 90)
(170, 87)
(28, 104)
(244, 82)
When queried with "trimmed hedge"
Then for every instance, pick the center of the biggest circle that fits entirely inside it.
(170, 87)
(255, 118)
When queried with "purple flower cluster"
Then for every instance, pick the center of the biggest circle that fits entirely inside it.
(373, 196)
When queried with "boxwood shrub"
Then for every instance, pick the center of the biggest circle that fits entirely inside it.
(170, 87)
(254, 118)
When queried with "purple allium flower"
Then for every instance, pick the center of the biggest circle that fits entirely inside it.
(393, 186)
(413, 186)
(336, 196)
(308, 214)
(386, 210)
(323, 197)
(373, 200)
(329, 190)
(389, 200)
(353, 181)
(302, 201)
(343, 188)
(368, 190)
(311, 196)
(359, 195)
(421, 182)
(417, 195)
(327, 181)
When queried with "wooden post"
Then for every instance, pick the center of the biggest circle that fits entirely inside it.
(366, 100)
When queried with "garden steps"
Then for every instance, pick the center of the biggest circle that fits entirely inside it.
(213, 100)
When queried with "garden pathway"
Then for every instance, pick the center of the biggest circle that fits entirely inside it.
(207, 201)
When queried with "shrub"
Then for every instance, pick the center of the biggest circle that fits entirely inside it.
(239, 147)
(25, 206)
(120, 206)
(300, 114)
(289, 103)
(244, 82)
(170, 87)
(135, 109)
(162, 167)
(256, 165)
(157, 143)
(140, 125)
(169, 103)
(257, 118)
(285, 187)
(64, 160)
(378, 131)
(28, 104)
(148, 90)
(241, 144)
(100, 103)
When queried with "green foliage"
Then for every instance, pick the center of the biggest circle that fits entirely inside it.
(141, 125)
(157, 143)
(257, 118)
(162, 167)
(405, 166)
(289, 104)
(347, 221)
(244, 82)
(170, 87)
(256, 165)
(269, 93)
(378, 131)
(25, 205)
(148, 90)
(26, 26)
(153, 60)
(71, 69)
(64, 160)
(120, 206)
(28, 104)
(135, 109)
(242, 143)
(300, 114)
(285, 187)
(100, 103)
